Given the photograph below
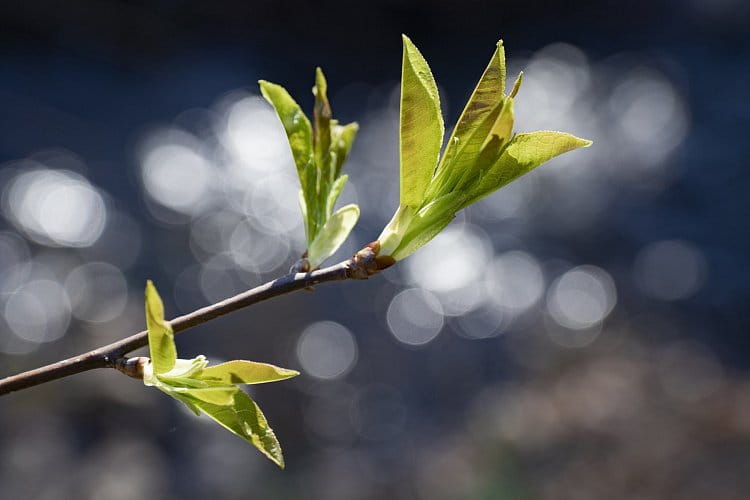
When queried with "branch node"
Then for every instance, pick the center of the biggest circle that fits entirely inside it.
(132, 367)
(366, 262)
(301, 266)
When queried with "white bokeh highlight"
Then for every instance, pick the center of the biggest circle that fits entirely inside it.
(326, 350)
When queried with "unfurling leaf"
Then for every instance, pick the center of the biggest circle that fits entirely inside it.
(481, 155)
(245, 372)
(421, 125)
(244, 418)
(319, 152)
(332, 235)
(523, 154)
(210, 389)
(160, 337)
(296, 125)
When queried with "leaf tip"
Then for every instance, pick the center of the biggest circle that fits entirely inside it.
(320, 80)
(516, 85)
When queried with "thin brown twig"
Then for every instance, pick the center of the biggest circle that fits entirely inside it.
(361, 266)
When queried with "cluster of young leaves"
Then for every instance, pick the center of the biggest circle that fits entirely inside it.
(481, 155)
(213, 390)
(319, 153)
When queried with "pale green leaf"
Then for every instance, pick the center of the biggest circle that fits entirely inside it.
(218, 395)
(390, 237)
(244, 418)
(410, 245)
(321, 121)
(332, 235)
(334, 193)
(342, 137)
(214, 395)
(485, 97)
(185, 368)
(186, 400)
(465, 154)
(298, 130)
(524, 153)
(516, 85)
(427, 223)
(503, 126)
(303, 210)
(244, 372)
(421, 126)
(160, 336)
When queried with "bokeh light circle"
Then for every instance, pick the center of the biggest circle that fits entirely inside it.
(582, 297)
(326, 350)
(56, 208)
(415, 317)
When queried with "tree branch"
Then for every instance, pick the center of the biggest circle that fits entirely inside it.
(361, 266)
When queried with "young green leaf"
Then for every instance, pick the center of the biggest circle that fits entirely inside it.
(296, 124)
(223, 395)
(321, 121)
(523, 154)
(185, 367)
(244, 418)
(485, 98)
(428, 222)
(245, 372)
(332, 235)
(342, 137)
(421, 125)
(334, 193)
(160, 336)
(464, 153)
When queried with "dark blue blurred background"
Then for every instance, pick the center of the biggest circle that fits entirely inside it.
(584, 336)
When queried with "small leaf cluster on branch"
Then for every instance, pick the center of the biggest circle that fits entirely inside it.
(319, 153)
(481, 155)
(213, 390)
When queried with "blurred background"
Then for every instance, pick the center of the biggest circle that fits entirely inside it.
(584, 335)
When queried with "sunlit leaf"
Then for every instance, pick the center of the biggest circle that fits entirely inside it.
(421, 125)
(245, 372)
(502, 128)
(481, 155)
(488, 93)
(332, 235)
(427, 223)
(465, 154)
(219, 395)
(299, 134)
(342, 137)
(244, 418)
(321, 120)
(524, 153)
(296, 124)
(160, 336)
(333, 195)
(184, 368)
(394, 231)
